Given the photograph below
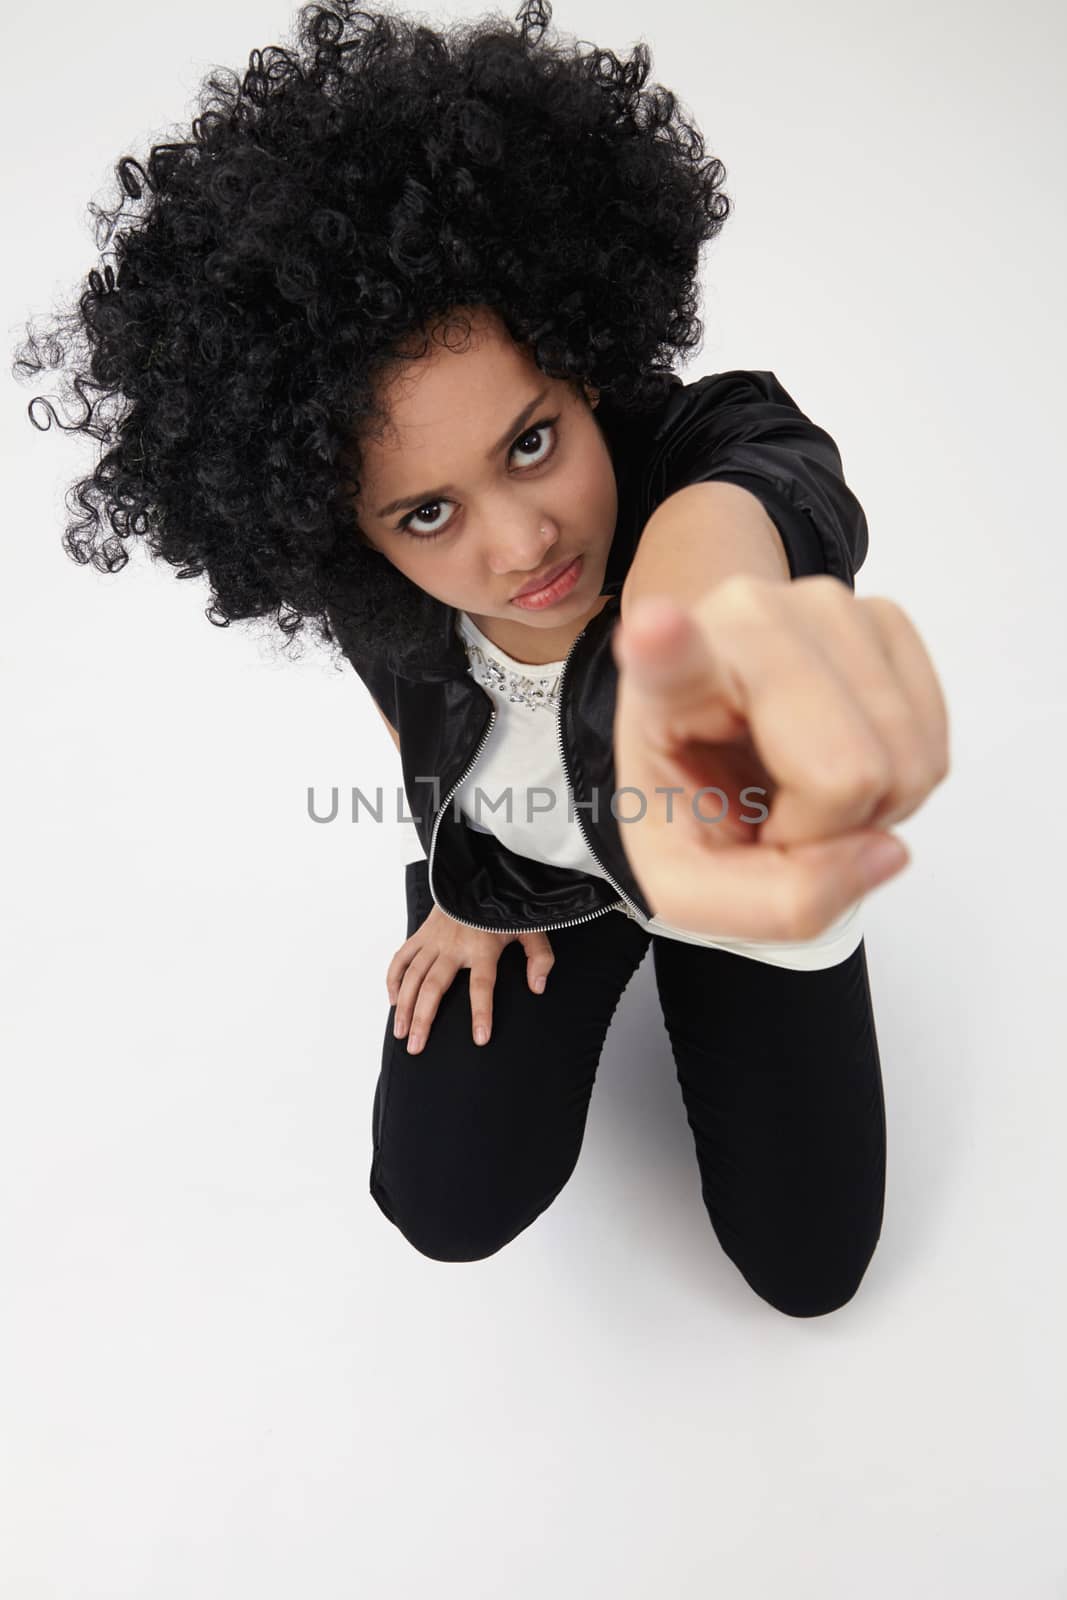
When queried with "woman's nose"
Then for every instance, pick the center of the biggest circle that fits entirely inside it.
(521, 549)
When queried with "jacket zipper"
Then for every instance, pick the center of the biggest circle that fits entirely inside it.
(626, 904)
(549, 927)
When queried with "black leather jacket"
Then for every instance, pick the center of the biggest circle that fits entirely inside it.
(741, 427)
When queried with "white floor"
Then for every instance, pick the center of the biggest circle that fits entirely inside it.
(225, 1372)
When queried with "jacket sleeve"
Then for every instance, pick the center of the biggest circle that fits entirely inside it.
(742, 427)
(376, 675)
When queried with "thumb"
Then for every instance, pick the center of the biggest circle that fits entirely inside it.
(539, 959)
(836, 872)
(740, 893)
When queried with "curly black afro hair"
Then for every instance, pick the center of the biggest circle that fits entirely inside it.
(339, 198)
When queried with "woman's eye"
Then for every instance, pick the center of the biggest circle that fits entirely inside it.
(549, 427)
(530, 459)
(404, 525)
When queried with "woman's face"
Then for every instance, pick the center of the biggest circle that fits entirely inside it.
(492, 475)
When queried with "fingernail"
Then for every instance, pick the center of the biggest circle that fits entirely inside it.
(539, 983)
(398, 1028)
(414, 1044)
(481, 1035)
(882, 860)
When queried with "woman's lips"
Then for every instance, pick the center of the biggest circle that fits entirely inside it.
(542, 583)
(552, 592)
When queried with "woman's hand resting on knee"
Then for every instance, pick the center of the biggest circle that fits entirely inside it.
(425, 965)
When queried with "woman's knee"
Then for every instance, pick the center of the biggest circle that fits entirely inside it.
(453, 1229)
(812, 1283)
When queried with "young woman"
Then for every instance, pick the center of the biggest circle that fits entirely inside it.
(390, 339)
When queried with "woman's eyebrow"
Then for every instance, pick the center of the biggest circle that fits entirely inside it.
(444, 488)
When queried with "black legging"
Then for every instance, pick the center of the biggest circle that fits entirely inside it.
(780, 1077)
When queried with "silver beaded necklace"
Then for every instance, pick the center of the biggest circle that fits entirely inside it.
(519, 688)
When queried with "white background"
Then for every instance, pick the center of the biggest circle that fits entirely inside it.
(223, 1372)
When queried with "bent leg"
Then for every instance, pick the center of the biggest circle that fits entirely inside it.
(472, 1142)
(782, 1084)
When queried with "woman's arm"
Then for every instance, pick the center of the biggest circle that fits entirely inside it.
(697, 537)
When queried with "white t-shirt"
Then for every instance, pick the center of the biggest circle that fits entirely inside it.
(517, 790)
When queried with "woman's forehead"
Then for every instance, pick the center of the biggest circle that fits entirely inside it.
(449, 408)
